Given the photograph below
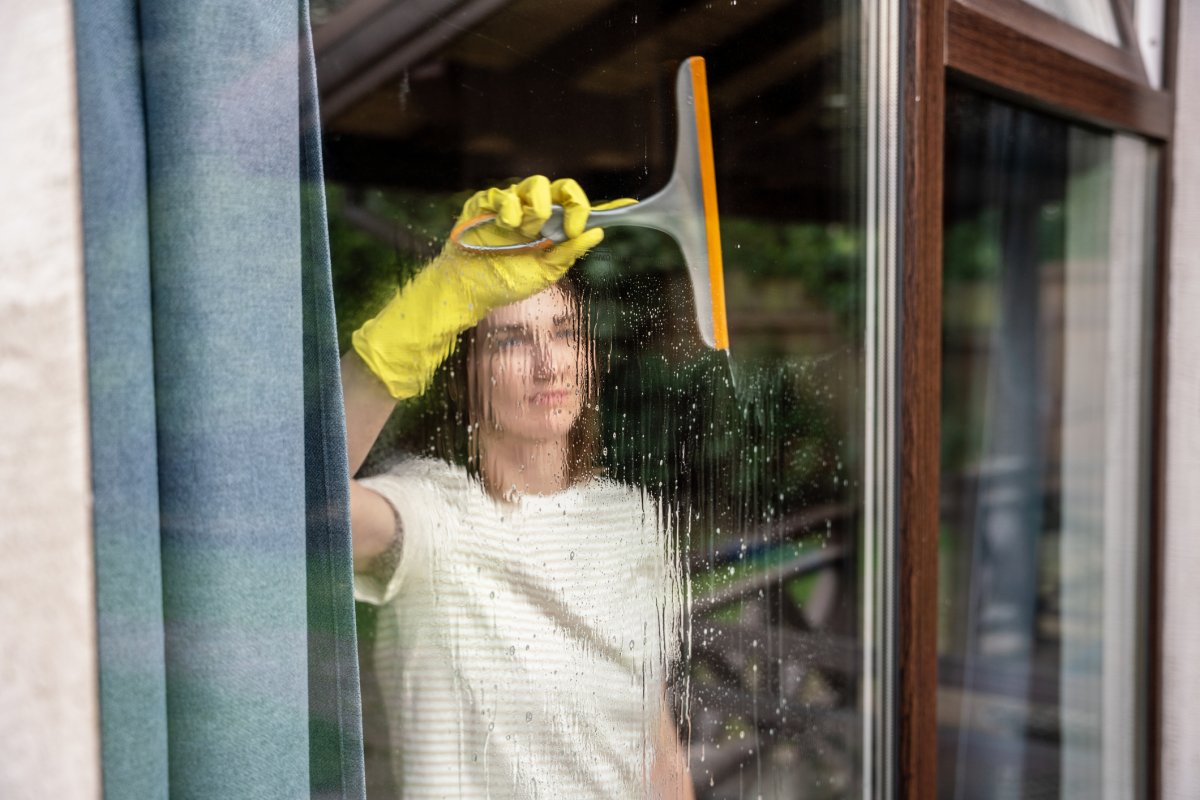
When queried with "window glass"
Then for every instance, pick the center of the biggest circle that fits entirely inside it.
(1093, 16)
(1045, 408)
(1149, 21)
(618, 545)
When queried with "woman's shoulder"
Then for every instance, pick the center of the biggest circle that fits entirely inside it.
(432, 473)
(603, 492)
(606, 486)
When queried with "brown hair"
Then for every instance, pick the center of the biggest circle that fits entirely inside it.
(451, 415)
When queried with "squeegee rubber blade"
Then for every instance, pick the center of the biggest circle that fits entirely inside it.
(712, 220)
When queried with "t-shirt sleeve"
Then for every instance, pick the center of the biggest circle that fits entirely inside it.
(417, 491)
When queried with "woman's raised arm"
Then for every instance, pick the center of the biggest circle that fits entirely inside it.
(373, 524)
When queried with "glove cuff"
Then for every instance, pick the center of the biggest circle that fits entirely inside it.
(416, 331)
(398, 384)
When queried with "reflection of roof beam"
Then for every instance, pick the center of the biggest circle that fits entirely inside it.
(383, 113)
(344, 21)
(526, 27)
(363, 33)
(779, 66)
(750, 586)
(387, 232)
(791, 528)
(381, 46)
(634, 66)
(610, 31)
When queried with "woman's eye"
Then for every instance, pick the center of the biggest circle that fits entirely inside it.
(512, 342)
(566, 334)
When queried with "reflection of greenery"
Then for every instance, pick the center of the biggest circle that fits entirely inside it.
(825, 259)
(973, 278)
(731, 459)
(972, 263)
(971, 250)
(367, 270)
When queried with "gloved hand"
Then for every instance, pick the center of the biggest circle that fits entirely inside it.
(404, 344)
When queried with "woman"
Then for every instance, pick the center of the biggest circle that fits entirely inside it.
(527, 611)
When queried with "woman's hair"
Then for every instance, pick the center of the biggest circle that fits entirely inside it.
(450, 413)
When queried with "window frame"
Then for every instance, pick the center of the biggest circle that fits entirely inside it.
(1021, 54)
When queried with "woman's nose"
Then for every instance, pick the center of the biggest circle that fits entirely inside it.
(545, 360)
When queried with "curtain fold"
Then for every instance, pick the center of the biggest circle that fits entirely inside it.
(223, 550)
(124, 437)
(1005, 517)
(335, 727)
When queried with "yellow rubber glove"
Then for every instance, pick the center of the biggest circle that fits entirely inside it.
(416, 331)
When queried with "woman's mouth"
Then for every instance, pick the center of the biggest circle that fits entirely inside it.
(550, 397)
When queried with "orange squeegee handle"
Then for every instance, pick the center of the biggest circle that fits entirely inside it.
(708, 186)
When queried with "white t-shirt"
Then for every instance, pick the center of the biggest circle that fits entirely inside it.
(522, 650)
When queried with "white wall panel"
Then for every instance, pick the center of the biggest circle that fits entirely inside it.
(48, 692)
(1181, 665)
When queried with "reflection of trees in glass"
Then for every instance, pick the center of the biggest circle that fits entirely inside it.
(377, 241)
(971, 265)
(973, 261)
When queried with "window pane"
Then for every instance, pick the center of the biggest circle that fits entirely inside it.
(1093, 16)
(1045, 403)
(1149, 21)
(697, 535)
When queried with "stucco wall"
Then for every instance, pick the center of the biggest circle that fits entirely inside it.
(48, 692)
(1181, 679)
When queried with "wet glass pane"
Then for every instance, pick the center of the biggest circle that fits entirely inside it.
(1096, 17)
(1150, 23)
(626, 561)
(1045, 408)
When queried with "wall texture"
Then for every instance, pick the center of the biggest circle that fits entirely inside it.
(1181, 656)
(48, 692)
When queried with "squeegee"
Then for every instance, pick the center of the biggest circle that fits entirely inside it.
(685, 209)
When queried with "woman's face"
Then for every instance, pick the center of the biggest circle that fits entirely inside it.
(529, 367)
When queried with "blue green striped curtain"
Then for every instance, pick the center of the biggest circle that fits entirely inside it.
(223, 569)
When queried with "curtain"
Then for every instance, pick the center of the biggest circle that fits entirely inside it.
(1012, 166)
(1109, 268)
(225, 614)
(1055, 511)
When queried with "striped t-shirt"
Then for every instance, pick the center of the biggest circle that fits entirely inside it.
(522, 650)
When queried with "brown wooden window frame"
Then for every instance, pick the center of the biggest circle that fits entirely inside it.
(1017, 52)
